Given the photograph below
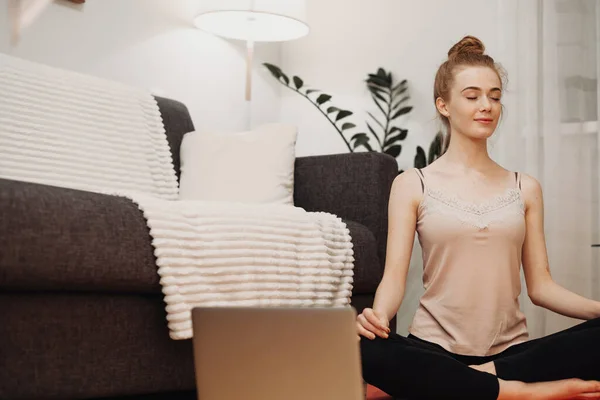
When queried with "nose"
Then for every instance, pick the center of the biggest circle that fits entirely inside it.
(485, 104)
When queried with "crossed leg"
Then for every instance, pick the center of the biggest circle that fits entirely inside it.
(414, 370)
(572, 353)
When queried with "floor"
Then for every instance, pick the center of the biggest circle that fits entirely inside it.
(375, 394)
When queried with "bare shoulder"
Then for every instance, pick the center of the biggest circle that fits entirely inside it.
(532, 190)
(407, 187)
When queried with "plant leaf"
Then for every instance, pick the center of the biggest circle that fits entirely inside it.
(309, 91)
(274, 70)
(394, 151)
(435, 148)
(372, 131)
(358, 135)
(277, 72)
(383, 76)
(342, 114)
(380, 97)
(323, 98)
(378, 80)
(348, 125)
(378, 105)
(376, 120)
(391, 139)
(332, 109)
(298, 82)
(378, 89)
(402, 111)
(403, 132)
(399, 85)
(399, 102)
(401, 91)
(361, 139)
(420, 161)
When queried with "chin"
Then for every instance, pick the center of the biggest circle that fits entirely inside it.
(482, 132)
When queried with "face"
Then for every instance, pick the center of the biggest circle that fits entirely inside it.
(474, 106)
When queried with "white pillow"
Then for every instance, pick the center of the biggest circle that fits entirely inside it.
(255, 166)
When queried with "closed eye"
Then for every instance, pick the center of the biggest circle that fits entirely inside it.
(475, 98)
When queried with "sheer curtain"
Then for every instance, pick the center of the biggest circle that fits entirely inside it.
(550, 130)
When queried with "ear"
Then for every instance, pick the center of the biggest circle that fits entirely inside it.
(441, 106)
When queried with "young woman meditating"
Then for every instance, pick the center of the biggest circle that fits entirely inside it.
(477, 224)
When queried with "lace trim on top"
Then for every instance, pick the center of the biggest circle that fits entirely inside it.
(480, 215)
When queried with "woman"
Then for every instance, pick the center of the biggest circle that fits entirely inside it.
(476, 222)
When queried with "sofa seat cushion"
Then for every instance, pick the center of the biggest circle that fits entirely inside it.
(64, 239)
(368, 269)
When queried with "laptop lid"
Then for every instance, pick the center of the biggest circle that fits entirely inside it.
(275, 353)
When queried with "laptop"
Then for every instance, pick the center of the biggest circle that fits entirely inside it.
(276, 353)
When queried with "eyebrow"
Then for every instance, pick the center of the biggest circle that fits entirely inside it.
(479, 89)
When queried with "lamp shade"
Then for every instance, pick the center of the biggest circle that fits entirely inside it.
(254, 20)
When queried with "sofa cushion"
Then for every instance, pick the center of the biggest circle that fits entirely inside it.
(210, 165)
(65, 239)
(367, 270)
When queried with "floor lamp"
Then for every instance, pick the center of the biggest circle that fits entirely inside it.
(254, 21)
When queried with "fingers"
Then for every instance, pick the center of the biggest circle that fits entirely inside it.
(375, 320)
(373, 330)
(363, 332)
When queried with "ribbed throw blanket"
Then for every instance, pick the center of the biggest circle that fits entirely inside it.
(71, 130)
(68, 129)
(226, 254)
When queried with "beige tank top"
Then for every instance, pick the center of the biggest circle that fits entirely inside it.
(471, 271)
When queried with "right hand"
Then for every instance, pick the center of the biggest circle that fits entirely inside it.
(371, 323)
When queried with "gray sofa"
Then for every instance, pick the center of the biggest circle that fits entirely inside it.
(81, 308)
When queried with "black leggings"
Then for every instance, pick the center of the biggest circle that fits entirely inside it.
(411, 368)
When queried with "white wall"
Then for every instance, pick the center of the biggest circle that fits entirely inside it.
(351, 38)
(152, 44)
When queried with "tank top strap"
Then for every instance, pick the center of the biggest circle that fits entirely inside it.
(518, 179)
(421, 177)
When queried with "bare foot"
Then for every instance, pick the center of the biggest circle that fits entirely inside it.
(568, 389)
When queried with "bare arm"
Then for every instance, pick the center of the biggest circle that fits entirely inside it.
(405, 196)
(541, 288)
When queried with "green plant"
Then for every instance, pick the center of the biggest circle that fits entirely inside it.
(333, 114)
(435, 151)
(390, 98)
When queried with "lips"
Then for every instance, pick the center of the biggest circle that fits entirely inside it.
(484, 120)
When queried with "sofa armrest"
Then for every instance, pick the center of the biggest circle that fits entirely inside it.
(353, 186)
(52, 238)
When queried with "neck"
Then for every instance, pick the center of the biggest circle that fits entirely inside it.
(468, 153)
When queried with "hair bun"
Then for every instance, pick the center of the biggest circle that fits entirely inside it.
(467, 45)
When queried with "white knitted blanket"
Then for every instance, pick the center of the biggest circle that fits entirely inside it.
(71, 130)
(227, 254)
(68, 129)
